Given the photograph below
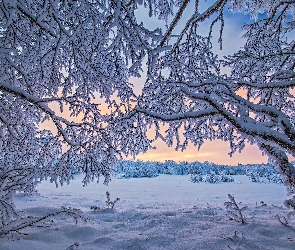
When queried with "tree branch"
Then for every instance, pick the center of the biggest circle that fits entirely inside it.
(253, 129)
(35, 19)
(174, 22)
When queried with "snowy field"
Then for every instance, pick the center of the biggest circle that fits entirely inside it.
(166, 212)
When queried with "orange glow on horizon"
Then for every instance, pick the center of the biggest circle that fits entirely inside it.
(212, 151)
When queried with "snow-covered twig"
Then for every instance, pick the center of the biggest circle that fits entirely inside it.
(234, 212)
(283, 220)
(290, 203)
(110, 203)
(15, 226)
(74, 246)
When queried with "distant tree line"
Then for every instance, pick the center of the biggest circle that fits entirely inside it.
(199, 172)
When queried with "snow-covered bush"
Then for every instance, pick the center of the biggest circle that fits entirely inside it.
(136, 169)
(254, 178)
(226, 178)
(261, 170)
(264, 173)
(211, 178)
(196, 178)
(276, 178)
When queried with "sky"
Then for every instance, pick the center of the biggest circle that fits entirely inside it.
(213, 151)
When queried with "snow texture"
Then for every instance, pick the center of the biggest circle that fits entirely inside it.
(166, 212)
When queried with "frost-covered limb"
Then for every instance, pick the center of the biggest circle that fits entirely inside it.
(251, 129)
(285, 167)
(33, 17)
(290, 203)
(98, 69)
(200, 17)
(186, 90)
(164, 117)
(15, 226)
(283, 220)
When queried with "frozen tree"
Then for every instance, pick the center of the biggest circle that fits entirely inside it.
(187, 90)
(61, 59)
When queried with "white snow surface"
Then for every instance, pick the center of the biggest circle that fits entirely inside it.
(166, 212)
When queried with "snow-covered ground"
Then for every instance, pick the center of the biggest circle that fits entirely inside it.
(166, 212)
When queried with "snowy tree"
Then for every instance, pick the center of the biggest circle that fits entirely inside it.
(61, 59)
(187, 90)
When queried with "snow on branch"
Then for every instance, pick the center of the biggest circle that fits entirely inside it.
(16, 226)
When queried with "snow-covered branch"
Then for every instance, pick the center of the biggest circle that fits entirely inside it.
(34, 18)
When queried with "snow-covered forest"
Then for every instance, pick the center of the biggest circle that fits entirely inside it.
(199, 172)
(68, 92)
